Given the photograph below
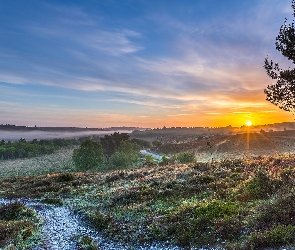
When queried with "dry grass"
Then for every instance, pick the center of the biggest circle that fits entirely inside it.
(60, 161)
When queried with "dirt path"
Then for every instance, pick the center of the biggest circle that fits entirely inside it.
(61, 227)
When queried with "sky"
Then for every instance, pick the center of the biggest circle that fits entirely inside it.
(143, 63)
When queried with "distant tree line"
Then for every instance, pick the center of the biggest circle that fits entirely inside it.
(25, 149)
(116, 149)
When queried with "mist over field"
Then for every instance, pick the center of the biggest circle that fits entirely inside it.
(31, 135)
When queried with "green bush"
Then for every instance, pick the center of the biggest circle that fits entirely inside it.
(164, 161)
(185, 223)
(18, 225)
(277, 236)
(186, 157)
(88, 156)
(127, 155)
(65, 177)
(260, 187)
(86, 243)
(149, 159)
(100, 220)
(12, 211)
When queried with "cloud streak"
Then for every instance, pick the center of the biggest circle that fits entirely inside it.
(174, 61)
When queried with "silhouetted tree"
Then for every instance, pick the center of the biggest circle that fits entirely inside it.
(282, 93)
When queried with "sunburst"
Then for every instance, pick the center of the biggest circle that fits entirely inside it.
(249, 123)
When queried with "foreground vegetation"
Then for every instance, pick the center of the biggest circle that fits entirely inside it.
(18, 226)
(235, 204)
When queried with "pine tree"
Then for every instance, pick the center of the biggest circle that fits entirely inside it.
(282, 93)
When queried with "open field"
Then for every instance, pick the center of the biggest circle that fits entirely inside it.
(60, 161)
(244, 203)
(222, 147)
(232, 204)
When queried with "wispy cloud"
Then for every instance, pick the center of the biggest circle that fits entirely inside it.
(160, 61)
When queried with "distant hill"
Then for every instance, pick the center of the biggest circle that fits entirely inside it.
(63, 129)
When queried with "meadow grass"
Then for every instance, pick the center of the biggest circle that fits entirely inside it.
(61, 161)
(235, 204)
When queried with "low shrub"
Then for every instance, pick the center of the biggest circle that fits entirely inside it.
(53, 201)
(280, 211)
(18, 225)
(149, 160)
(99, 220)
(65, 177)
(260, 187)
(183, 224)
(186, 157)
(280, 235)
(12, 211)
(86, 243)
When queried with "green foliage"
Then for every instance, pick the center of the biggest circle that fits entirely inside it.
(86, 243)
(260, 187)
(149, 159)
(100, 220)
(24, 149)
(110, 143)
(11, 211)
(17, 226)
(88, 156)
(126, 155)
(280, 211)
(279, 235)
(218, 209)
(164, 161)
(65, 177)
(184, 223)
(186, 157)
(283, 92)
(53, 201)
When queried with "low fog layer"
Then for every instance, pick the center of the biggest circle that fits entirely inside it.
(31, 135)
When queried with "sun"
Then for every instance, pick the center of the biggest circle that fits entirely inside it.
(249, 123)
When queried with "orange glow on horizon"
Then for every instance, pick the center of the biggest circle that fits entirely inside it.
(220, 118)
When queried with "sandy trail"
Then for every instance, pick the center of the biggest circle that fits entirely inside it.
(61, 226)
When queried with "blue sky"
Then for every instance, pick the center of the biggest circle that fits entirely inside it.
(138, 63)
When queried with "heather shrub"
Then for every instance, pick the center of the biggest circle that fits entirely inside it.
(186, 157)
(65, 177)
(86, 243)
(260, 187)
(274, 237)
(17, 225)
